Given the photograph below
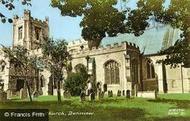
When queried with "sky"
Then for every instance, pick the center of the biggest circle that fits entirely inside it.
(60, 27)
(64, 27)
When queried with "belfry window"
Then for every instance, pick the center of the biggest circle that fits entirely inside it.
(20, 30)
(112, 72)
(37, 32)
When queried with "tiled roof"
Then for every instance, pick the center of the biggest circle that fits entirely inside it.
(151, 42)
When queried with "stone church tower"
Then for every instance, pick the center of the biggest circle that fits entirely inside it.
(29, 32)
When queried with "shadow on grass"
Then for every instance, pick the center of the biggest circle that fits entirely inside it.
(173, 119)
(180, 103)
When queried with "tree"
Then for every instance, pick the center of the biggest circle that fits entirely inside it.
(178, 16)
(101, 18)
(9, 5)
(77, 81)
(21, 57)
(56, 57)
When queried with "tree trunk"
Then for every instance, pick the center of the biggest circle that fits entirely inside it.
(29, 92)
(94, 43)
(59, 91)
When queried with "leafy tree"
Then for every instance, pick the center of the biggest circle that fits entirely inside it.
(10, 5)
(77, 81)
(178, 16)
(21, 57)
(101, 18)
(56, 57)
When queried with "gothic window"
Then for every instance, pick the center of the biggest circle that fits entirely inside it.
(150, 70)
(112, 72)
(19, 84)
(37, 33)
(134, 71)
(20, 31)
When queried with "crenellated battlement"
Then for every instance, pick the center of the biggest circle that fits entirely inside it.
(46, 21)
(115, 47)
(27, 16)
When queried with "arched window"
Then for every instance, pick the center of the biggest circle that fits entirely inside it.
(112, 72)
(150, 70)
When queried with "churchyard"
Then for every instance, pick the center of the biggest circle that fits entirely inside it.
(167, 107)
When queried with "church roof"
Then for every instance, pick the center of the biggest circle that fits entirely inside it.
(151, 42)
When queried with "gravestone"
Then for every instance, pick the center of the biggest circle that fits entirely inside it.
(110, 93)
(123, 93)
(9, 94)
(99, 91)
(128, 93)
(82, 96)
(119, 93)
(105, 87)
(99, 94)
(23, 93)
(3, 96)
(36, 94)
(102, 95)
(67, 94)
(92, 96)
(156, 94)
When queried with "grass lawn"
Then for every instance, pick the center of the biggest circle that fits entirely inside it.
(110, 109)
(185, 96)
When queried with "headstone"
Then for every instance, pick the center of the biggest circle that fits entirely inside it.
(99, 91)
(123, 92)
(92, 96)
(67, 94)
(119, 93)
(23, 93)
(3, 96)
(128, 93)
(99, 94)
(102, 94)
(9, 94)
(156, 94)
(35, 94)
(110, 93)
(82, 96)
(105, 87)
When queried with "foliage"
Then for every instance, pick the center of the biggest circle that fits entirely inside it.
(10, 5)
(56, 57)
(76, 82)
(21, 57)
(102, 18)
(55, 54)
(177, 54)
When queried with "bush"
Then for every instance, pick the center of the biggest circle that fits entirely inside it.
(75, 82)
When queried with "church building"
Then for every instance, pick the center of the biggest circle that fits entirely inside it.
(120, 66)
